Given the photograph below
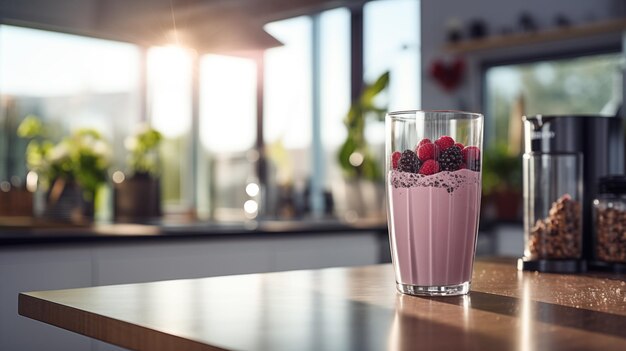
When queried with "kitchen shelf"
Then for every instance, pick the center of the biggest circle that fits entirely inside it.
(520, 39)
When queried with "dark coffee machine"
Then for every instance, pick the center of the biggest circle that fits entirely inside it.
(564, 158)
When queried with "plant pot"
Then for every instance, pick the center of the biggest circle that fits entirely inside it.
(17, 202)
(65, 202)
(137, 198)
(508, 204)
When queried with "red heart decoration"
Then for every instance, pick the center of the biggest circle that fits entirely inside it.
(449, 75)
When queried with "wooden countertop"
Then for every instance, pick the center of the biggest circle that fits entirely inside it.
(345, 309)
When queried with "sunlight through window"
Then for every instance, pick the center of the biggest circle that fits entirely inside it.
(169, 82)
(227, 103)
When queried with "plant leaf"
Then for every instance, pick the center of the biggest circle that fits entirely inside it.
(370, 91)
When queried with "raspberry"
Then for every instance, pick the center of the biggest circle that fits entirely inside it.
(395, 157)
(428, 152)
(444, 142)
(460, 146)
(451, 159)
(422, 142)
(409, 162)
(471, 153)
(429, 167)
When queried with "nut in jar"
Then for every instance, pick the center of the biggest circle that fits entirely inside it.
(610, 232)
(558, 235)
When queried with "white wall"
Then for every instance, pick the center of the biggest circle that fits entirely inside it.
(497, 14)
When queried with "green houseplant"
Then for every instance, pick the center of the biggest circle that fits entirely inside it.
(355, 157)
(502, 181)
(70, 171)
(138, 196)
(362, 172)
(143, 155)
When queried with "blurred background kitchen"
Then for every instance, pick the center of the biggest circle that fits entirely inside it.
(207, 137)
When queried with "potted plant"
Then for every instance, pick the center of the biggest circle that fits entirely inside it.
(502, 182)
(138, 195)
(359, 165)
(70, 172)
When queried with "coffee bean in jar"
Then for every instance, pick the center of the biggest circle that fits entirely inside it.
(609, 211)
(558, 236)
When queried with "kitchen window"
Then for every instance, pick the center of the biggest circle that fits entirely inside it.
(169, 89)
(228, 187)
(590, 84)
(69, 82)
(288, 117)
(209, 154)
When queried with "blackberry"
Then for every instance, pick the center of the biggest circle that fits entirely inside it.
(451, 159)
(409, 162)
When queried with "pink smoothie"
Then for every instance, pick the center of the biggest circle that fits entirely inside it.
(433, 224)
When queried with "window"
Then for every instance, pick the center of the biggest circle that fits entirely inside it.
(227, 135)
(288, 116)
(392, 43)
(391, 35)
(391, 32)
(334, 99)
(69, 82)
(288, 84)
(583, 85)
(208, 154)
(169, 111)
(334, 75)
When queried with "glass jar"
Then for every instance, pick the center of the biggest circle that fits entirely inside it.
(609, 218)
(552, 206)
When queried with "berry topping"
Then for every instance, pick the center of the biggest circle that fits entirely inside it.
(424, 141)
(471, 153)
(444, 142)
(409, 162)
(429, 167)
(428, 151)
(451, 159)
(395, 157)
(460, 146)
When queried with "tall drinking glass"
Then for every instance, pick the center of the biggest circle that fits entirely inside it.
(433, 182)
